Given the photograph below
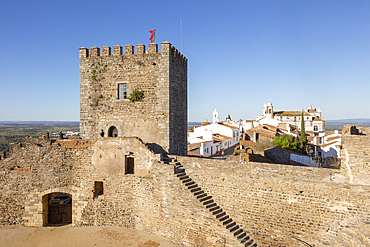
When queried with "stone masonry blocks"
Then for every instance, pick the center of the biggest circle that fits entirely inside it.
(117, 50)
(106, 51)
(159, 118)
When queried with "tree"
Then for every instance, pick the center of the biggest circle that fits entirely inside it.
(228, 117)
(303, 136)
(289, 142)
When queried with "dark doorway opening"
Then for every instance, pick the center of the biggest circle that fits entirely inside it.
(98, 189)
(129, 165)
(59, 209)
(112, 131)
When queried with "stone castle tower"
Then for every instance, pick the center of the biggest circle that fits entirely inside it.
(107, 82)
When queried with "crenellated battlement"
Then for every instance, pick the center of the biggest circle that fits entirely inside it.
(166, 48)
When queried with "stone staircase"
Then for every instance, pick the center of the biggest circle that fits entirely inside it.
(212, 206)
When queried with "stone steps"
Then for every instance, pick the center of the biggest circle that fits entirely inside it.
(212, 206)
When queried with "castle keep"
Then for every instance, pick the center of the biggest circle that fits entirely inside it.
(108, 80)
(125, 178)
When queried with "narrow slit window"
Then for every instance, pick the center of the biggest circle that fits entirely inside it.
(98, 189)
(129, 165)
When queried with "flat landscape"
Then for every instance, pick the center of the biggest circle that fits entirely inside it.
(13, 132)
(331, 125)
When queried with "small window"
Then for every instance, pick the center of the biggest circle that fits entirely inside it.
(315, 128)
(122, 91)
(98, 189)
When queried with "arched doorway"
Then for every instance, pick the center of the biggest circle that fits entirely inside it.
(112, 131)
(57, 209)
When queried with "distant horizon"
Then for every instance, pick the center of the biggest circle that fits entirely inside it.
(77, 121)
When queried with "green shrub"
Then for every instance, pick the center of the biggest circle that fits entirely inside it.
(289, 142)
(136, 95)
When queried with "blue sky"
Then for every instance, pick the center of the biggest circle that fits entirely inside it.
(240, 53)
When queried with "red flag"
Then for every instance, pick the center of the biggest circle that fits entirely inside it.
(152, 36)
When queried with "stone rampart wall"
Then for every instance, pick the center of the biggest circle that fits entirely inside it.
(278, 155)
(278, 203)
(350, 129)
(156, 201)
(355, 158)
(275, 204)
(28, 172)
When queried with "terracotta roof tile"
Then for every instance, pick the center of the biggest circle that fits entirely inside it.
(226, 125)
(328, 144)
(333, 138)
(190, 153)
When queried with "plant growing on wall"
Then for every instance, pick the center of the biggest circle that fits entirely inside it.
(136, 95)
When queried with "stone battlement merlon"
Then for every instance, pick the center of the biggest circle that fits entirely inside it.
(166, 47)
(349, 129)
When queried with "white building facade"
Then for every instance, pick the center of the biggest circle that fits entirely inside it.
(213, 137)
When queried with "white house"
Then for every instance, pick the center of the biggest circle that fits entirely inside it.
(330, 146)
(213, 137)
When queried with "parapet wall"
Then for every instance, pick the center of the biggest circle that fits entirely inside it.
(129, 50)
(276, 204)
(154, 201)
(355, 154)
(278, 155)
(350, 129)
